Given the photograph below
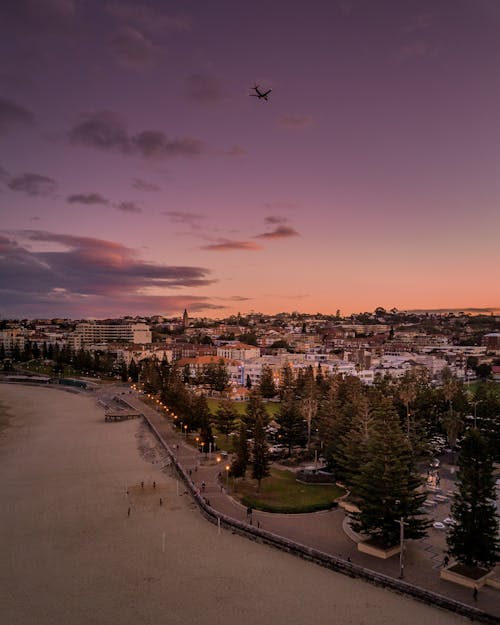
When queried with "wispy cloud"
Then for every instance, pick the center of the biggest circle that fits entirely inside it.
(12, 114)
(105, 130)
(133, 49)
(87, 198)
(144, 185)
(33, 184)
(45, 14)
(128, 207)
(275, 219)
(235, 151)
(228, 245)
(184, 217)
(147, 17)
(38, 268)
(295, 121)
(280, 232)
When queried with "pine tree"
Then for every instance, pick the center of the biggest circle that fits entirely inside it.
(352, 448)
(306, 388)
(260, 453)
(473, 540)
(286, 380)
(289, 418)
(240, 462)
(225, 417)
(255, 410)
(387, 483)
(267, 386)
(133, 371)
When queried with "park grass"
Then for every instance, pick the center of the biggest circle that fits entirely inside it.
(272, 407)
(280, 492)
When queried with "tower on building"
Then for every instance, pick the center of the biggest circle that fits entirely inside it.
(185, 320)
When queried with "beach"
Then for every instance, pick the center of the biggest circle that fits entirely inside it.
(95, 531)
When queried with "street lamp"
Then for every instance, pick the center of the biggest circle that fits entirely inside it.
(227, 477)
(475, 408)
(401, 542)
(186, 428)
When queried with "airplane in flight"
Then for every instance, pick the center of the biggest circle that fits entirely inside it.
(262, 95)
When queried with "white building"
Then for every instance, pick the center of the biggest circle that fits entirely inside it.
(12, 338)
(90, 332)
(238, 351)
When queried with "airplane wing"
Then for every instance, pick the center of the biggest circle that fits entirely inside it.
(267, 92)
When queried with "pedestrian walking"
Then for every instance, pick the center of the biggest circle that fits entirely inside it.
(154, 484)
(161, 501)
(203, 487)
(128, 512)
(474, 594)
(446, 560)
(142, 484)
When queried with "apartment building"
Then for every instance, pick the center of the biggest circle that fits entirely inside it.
(12, 338)
(238, 351)
(90, 332)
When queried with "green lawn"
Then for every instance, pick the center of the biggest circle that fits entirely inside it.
(280, 492)
(272, 407)
(473, 386)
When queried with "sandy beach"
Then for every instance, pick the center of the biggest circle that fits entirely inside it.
(73, 555)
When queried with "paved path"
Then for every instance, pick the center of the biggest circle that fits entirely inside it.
(321, 530)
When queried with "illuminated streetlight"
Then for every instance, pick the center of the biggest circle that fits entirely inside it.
(401, 542)
(186, 428)
(475, 409)
(227, 477)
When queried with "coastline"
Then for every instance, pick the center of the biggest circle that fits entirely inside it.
(74, 556)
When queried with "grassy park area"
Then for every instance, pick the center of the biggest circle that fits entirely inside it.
(281, 492)
(241, 406)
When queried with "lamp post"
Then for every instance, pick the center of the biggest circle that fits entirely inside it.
(227, 477)
(475, 410)
(186, 429)
(401, 542)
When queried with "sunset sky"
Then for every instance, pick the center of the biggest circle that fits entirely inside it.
(138, 177)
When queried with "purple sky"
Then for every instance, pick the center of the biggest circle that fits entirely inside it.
(138, 177)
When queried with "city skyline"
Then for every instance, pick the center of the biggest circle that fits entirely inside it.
(137, 176)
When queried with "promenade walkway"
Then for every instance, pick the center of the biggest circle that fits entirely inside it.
(321, 530)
